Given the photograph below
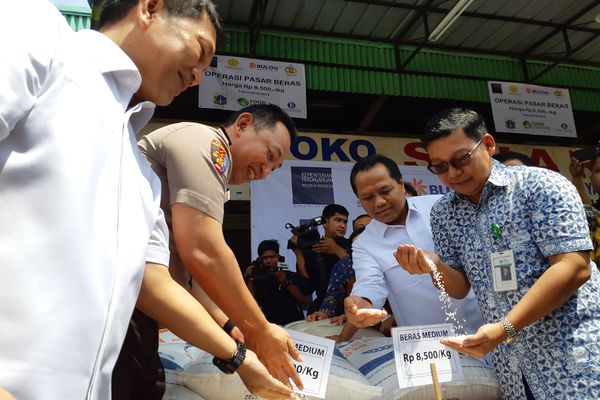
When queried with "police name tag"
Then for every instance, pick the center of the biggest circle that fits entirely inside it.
(504, 273)
(416, 347)
(317, 353)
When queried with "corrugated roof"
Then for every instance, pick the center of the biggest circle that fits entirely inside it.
(331, 66)
(523, 29)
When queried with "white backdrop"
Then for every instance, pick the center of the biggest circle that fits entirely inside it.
(278, 199)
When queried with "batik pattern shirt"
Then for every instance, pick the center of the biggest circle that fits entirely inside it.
(541, 215)
(341, 275)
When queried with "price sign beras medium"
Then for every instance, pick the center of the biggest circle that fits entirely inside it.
(317, 353)
(416, 347)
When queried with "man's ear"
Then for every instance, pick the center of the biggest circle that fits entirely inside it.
(146, 10)
(490, 144)
(244, 120)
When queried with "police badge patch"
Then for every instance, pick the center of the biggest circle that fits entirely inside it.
(219, 156)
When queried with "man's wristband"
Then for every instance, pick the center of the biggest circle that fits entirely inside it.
(228, 327)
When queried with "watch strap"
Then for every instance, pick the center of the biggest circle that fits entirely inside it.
(231, 365)
(509, 329)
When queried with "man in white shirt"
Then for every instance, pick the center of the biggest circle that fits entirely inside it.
(397, 220)
(79, 204)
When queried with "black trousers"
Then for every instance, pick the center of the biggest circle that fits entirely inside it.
(139, 374)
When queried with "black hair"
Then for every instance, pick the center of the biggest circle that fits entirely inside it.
(265, 116)
(513, 155)
(106, 12)
(369, 163)
(331, 209)
(359, 217)
(410, 189)
(447, 121)
(266, 245)
(357, 232)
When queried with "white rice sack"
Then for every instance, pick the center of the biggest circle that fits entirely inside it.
(323, 328)
(166, 336)
(345, 382)
(203, 378)
(175, 354)
(374, 358)
(177, 391)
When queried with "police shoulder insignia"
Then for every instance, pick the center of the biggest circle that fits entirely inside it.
(219, 156)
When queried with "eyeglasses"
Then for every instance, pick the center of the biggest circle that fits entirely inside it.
(456, 163)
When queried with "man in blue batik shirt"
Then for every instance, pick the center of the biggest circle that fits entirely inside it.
(542, 324)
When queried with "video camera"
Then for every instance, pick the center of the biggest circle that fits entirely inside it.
(587, 153)
(306, 233)
(261, 273)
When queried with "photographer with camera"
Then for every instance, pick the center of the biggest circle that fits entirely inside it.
(316, 257)
(580, 159)
(279, 293)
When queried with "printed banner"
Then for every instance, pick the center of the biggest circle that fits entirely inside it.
(531, 109)
(311, 185)
(231, 83)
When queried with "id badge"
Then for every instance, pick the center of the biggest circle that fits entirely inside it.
(504, 272)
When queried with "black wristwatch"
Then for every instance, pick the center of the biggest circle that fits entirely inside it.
(231, 365)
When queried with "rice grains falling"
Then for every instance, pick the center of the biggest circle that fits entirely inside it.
(447, 305)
